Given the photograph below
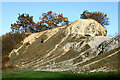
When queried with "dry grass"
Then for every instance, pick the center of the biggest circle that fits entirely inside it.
(111, 62)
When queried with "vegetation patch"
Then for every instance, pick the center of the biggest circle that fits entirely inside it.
(45, 74)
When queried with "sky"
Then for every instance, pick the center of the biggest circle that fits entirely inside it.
(72, 10)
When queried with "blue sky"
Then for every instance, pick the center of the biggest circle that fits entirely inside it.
(72, 10)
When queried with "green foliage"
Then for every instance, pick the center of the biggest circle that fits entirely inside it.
(25, 73)
(83, 16)
(98, 16)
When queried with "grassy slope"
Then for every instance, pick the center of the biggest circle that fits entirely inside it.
(43, 74)
(36, 48)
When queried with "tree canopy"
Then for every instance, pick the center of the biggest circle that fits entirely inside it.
(48, 20)
(98, 16)
(24, 23)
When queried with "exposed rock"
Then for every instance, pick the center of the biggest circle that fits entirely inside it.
(95, 41)
(76, 48)
(108, 45)
(87, 27)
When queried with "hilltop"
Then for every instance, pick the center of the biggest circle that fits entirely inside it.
(80, 47)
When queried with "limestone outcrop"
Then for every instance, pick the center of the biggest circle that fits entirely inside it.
(86, 27)
(80, 47)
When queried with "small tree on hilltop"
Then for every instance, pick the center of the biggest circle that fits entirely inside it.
(83, 16)
(24, 23)
(50, 20)
(98, 16)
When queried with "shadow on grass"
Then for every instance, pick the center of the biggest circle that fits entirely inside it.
(25, 74)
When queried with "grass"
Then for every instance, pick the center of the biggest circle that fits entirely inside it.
(38, 48)
(68, 55)
(45, 74)
(100, 57)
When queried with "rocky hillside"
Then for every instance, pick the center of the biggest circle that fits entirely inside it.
(79, 47)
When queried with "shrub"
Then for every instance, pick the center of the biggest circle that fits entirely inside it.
(9, 42)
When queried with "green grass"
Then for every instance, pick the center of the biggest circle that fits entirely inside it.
(45, 74)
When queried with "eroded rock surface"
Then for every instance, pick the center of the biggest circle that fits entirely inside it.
(79, 47)
(86, 27)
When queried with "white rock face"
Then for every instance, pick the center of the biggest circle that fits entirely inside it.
(71, 45)
(108, 45)
(95, 41)
(86, 27)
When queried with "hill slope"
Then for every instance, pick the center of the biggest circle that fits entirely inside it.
(79, 47)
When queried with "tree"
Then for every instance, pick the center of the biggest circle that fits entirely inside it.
(98, 16)
(83, 16)
(50, 20)
(24, 23)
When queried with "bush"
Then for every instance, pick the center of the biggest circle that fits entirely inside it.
(9, 42)
(98, 16)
